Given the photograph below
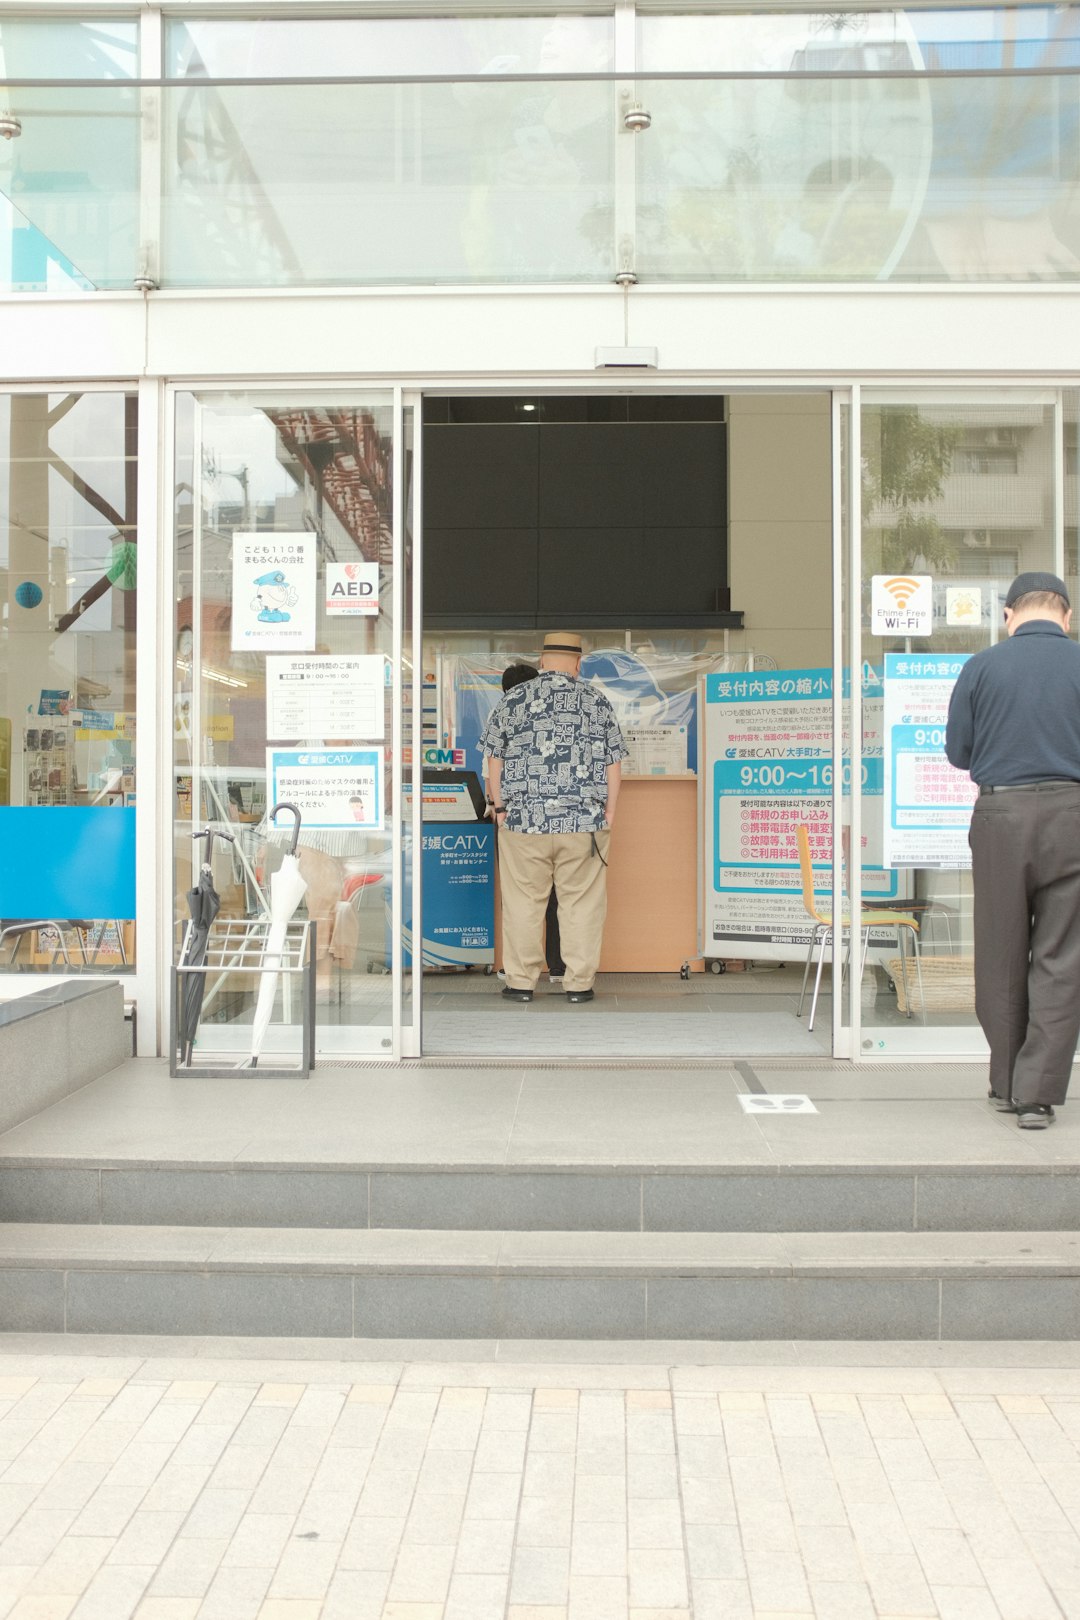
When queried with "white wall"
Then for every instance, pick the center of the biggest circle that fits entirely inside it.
(719, 335)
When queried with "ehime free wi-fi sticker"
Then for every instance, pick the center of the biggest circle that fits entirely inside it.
(901, 605)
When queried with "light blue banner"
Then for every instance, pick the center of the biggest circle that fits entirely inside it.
(67, 861)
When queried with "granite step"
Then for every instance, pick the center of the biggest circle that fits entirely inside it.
(722, 1197)
(344, 1283)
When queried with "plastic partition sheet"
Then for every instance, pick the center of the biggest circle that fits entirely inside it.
(654, 697)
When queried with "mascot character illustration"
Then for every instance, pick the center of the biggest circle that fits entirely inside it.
(272, 597)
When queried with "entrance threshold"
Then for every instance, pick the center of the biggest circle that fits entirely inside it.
(636, 1017)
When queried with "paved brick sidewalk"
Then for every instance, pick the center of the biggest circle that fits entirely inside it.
(519, 1493)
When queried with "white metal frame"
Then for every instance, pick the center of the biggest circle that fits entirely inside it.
(253, 388)
(412, 1031)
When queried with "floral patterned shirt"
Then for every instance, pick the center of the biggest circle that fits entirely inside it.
(556, 737)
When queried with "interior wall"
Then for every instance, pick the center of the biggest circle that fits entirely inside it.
(780, 524)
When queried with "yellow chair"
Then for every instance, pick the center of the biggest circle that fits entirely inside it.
(823, 934)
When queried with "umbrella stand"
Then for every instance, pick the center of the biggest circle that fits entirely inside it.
(238, 945)
(287, 889)
(204, 903)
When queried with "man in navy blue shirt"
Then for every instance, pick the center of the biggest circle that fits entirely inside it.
(1014, 724)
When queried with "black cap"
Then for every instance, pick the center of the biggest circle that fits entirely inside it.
(1023, 583)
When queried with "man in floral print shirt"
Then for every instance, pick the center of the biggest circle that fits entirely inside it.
(554, 753)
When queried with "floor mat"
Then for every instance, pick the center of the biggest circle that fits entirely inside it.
(592, 1031)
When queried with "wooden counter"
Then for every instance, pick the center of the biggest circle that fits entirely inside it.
(652, 879)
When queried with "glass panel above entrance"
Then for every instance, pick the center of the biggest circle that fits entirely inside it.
(285, 597)
(866, 147)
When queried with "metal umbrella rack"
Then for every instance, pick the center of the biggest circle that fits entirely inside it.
(267, 947)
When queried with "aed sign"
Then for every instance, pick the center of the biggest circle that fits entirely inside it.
(901, 605)
(352, 589)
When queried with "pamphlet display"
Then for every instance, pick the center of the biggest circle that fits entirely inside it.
(459, 896)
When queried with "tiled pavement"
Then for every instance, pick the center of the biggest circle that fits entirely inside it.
(201, 1483)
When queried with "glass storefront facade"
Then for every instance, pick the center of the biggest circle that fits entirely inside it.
(693, 157)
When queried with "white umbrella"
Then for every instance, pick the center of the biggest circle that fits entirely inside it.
(287, 889)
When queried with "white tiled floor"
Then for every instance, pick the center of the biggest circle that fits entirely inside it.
(204, 1481)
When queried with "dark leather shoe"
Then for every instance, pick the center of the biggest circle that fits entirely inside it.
(510, 994)
(580, 995)
(1034, 1116)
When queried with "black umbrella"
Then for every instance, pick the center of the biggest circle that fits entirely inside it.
(204, 903)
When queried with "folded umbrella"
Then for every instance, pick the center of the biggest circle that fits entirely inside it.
(287, 889)
(204, 903)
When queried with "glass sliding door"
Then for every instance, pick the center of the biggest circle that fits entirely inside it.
(288, 642)
(960, 491)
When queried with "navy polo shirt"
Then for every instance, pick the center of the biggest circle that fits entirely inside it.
(1014, 715)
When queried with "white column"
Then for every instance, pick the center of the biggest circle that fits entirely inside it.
(154, 642)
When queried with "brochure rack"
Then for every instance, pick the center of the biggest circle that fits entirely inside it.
(239, 946)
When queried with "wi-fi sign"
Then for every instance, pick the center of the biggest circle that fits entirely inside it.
(902, 590)
(901, 605)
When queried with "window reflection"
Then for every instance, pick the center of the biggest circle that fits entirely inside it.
(68, 765)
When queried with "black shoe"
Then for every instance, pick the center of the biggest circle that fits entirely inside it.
(580, 995)
(1034, 1116)
(510, 994)
(1004, 1105)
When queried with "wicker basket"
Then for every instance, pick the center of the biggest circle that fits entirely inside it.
(948, 983)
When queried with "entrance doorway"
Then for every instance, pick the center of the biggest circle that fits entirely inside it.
(689, 539)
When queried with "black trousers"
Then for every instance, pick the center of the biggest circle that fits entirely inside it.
(1025, 864)
(552, 940)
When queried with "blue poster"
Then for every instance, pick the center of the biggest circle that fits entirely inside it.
(928, 802)
(768, 759)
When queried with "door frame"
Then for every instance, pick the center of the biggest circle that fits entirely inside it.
(411, 1031)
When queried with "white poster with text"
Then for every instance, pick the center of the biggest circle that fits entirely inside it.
(336, 696)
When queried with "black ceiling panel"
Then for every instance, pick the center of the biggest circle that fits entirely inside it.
(628, 570)
(480, 570)
(633, 472)
(480, 476)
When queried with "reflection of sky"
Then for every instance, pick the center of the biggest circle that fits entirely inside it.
(62, 49)
(765, 43)
(367, 46)
(248, 440)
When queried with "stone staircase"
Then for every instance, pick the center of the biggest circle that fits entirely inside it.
(105, 1231)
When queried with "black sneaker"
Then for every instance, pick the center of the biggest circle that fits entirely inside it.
(1004, 1105)
(580, 995)
(1034, 1116)
(510, 994)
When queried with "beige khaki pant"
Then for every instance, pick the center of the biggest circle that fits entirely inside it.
(529, 863)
